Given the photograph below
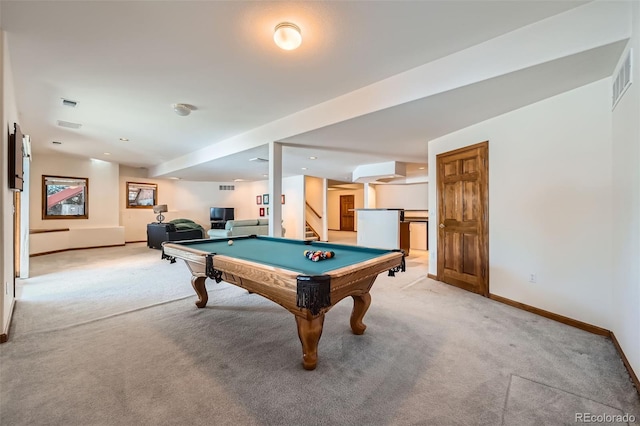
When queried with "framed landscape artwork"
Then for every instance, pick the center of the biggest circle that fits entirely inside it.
(65, 197)
(141, 195)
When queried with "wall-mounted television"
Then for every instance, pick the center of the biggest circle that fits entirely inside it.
(221, 213)
(15, 158)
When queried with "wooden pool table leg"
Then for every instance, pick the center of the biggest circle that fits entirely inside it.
(309, 332)
(198, 285)
(360, 306)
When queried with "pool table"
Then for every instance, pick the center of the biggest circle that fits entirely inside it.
(277, 269)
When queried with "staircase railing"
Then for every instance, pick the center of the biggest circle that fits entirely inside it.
(312, 230)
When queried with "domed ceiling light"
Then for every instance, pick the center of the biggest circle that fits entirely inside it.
(182, 109)
(287, 36)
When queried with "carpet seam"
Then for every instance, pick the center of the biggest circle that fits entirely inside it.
(117, 314)
(413, 283)
(506, 398)
(570, 393)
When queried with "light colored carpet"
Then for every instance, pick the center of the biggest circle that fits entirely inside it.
(97, 341)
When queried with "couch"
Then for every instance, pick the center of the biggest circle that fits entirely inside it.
(242, 227)
(174, 230)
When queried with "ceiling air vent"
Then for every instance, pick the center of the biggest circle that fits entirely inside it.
(69, 124)
(259, 160)
(622, 79)
(227, 187)
(69, 103)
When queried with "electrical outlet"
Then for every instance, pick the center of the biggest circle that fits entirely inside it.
(533, 277)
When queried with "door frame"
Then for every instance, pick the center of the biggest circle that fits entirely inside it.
(483, 233)
(16, 235)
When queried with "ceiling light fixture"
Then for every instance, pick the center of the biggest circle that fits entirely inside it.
(312, 158)
(182, 109)
(124, 139)
(287, 36)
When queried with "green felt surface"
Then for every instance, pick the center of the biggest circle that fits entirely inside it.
(286, 253)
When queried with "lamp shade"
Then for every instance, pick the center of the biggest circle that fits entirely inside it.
(287, 36)
(160, 208)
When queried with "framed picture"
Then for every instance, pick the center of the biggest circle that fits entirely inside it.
(265, 199)
(141, 195)
(282, 199)
(261, 211)
(65, 197)
(267, 211)
(259, 199)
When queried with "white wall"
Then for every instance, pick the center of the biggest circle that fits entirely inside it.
(9, 113)
(102, 228)
(550, 188)
(409, 197)
(625, 280)
(135, 221)
(333, 206)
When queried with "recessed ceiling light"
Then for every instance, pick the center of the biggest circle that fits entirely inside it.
(107, 153)
(174, 178)
(238, 180)
(304, 168)
(265, 175)
(421, 168)
(56, 143)
(312, 158)
(124, 139)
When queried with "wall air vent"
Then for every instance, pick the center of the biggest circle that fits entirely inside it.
(227, 187)
(69, 103)
(69, 124)
(622, 79)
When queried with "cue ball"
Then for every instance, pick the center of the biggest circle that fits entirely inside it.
(230, 242)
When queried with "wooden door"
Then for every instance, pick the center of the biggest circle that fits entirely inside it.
(463, 218)
(347, 222)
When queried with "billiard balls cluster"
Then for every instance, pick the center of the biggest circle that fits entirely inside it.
(315, 256)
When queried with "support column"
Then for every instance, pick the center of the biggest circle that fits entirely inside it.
(325, 210)
(275, 189)
(369, 196)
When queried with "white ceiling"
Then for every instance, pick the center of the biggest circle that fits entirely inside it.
(127, 62)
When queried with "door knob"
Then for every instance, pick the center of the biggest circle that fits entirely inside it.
(442, 225)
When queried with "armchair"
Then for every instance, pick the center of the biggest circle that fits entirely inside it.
(157, 233)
